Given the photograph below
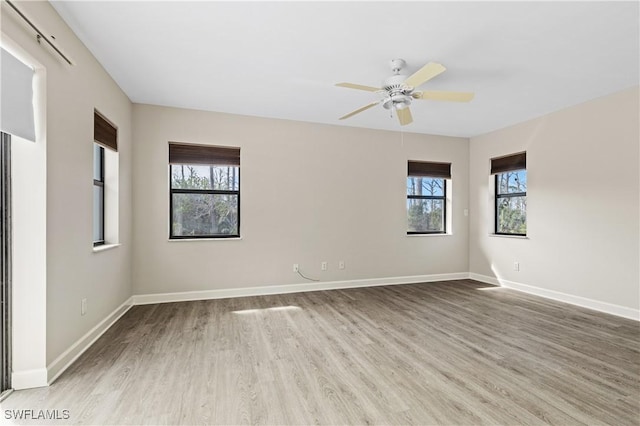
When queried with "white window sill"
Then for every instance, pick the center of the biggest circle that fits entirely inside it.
(105, 247)
(520, 237)
(178, 240)
(430, 235)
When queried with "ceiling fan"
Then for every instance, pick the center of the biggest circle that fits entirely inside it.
(398, 91)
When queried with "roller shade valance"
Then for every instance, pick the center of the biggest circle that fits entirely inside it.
(180, 153)
(429, 169)
(509, 163)
(16, 93)
(104, 132)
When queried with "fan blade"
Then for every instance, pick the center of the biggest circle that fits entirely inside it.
(437, 95)
(404, 116)
(358, 87)
(359, 110)
(424, 74)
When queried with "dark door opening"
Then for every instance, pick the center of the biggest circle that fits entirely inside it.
(5, 262)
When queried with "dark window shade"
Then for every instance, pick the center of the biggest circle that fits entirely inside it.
(429, 169)
(203, 154)
(509, 163)
(104, 133)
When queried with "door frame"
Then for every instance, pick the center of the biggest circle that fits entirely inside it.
(5, 263)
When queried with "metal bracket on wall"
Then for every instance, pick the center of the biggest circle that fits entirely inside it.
(40, 35)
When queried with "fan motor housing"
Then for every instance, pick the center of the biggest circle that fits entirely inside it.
(397, 94)
(395, 82)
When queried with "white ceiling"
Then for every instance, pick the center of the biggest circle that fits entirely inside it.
(282, 59)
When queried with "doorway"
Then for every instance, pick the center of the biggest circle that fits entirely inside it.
(5, 263)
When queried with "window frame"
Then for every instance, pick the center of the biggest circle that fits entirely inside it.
(497, 199)
(201, 191)
(100, 183)
(442, 197)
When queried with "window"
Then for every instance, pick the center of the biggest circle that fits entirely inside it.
(510, 194)
(427, 197)
(98, 195)
(204, 191)
(105, 147)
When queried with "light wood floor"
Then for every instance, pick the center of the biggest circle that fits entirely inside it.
(439, 353)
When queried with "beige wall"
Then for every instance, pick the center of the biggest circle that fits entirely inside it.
(73, 270)
(583, 202)
(309, 193)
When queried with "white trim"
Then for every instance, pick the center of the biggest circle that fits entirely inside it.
(60, 364)
(484, 278)
(596, 305)
(184, 240)
(104, 247)
(29, 379)
(5, 394)
(145, 299)
(28, 320)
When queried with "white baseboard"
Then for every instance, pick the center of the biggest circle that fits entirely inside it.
(609, 308)
(145, 299)
(29, 379)
(484, 278)
(60, 364)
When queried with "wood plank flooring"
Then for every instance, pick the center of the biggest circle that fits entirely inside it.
(456, 352)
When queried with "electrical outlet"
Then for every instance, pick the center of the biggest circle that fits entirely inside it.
(296, 268)
(516, 266)
(83, 306)
(341, 264)
(324, 266)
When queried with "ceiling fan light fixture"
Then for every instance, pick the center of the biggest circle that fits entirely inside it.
(396, 101)
(401, 105)
(398, 90)
(400, 100)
